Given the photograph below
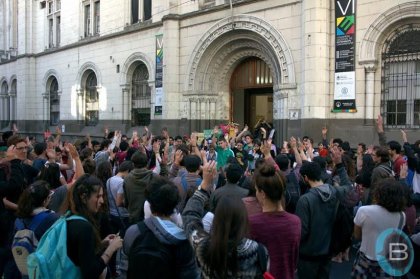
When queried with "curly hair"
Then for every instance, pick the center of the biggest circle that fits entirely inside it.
(390, 194)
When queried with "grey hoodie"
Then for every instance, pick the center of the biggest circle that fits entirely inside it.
(316, 210)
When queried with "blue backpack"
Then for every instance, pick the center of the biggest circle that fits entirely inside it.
(25, 241)
(50, 260)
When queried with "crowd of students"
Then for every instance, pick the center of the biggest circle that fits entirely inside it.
(228, 206)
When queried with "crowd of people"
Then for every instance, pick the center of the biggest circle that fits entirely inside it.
(226, 206)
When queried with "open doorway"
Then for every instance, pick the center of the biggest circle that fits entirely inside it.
(251, 97)
(258, 105)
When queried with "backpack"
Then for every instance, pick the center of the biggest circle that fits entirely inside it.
(50, 260)
(149, 258)
(342, 229)
(25, 242)
(292, 192)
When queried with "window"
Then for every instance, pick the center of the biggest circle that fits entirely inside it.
(91, 100)
(50, 7)
(13, 99)
(140, 98)
(50, 32)
(87, 20)
(400, 98)
(54, 23)
(5, 106)
(92, 16)
(54, 102)
(97, 17)
(58, 31)
(141, 10)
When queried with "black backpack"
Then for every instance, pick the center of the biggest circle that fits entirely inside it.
(149, 258)
(342, 229)
(292, 192)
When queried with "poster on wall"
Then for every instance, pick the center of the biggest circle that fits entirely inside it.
(159, 75)
(345, 40)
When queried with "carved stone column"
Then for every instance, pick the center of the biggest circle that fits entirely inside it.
(370, 70)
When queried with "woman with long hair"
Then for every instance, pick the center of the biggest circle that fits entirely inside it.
(277, 229)
(33, 214)
(226, 252)
(85, 247)
(386, 212)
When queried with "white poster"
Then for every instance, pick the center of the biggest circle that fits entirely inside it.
(159, 96)
(345, 86)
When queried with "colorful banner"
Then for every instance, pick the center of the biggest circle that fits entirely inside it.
(159, 75)
(345, 41)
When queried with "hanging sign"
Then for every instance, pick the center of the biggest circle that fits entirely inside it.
(345, 40)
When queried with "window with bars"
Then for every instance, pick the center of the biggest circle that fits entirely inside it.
(91, 100)
(54, 102)
(141, 96)
(400, 98)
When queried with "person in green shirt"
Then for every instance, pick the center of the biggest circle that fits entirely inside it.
(222, 148)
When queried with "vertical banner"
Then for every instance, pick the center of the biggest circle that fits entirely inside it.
(345, 41)
(159, 75)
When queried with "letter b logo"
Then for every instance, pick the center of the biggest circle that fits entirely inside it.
(398, 251)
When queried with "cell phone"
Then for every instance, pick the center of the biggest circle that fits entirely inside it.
(271, 135)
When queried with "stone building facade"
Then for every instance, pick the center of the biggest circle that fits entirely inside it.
(123, 64)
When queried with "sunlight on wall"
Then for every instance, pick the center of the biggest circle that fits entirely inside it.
(73, 102)
(103, 98)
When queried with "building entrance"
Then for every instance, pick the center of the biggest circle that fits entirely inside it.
(251, 97)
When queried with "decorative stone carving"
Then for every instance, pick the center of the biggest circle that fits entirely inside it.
(269, 37)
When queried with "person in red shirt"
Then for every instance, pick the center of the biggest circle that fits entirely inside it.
(275, 228)
(397, 159)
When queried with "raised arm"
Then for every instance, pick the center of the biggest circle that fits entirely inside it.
(241, 134)
(380, 130)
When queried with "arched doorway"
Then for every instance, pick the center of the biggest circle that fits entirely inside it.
(400, 98)
(54, 101)
(91, 99)
(5, 101)
(140, 96)
(251, 97)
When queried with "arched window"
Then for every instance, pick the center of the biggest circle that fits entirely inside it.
(5, 115)
(400, 98)
(140, 98)
(54, 102)
(91, 99)
(13, 100)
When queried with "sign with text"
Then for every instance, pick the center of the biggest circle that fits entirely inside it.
(345, 40)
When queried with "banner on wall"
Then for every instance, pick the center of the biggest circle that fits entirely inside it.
(345, 40)
(159, 75)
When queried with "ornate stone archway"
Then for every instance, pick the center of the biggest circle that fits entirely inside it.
(219, 51)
